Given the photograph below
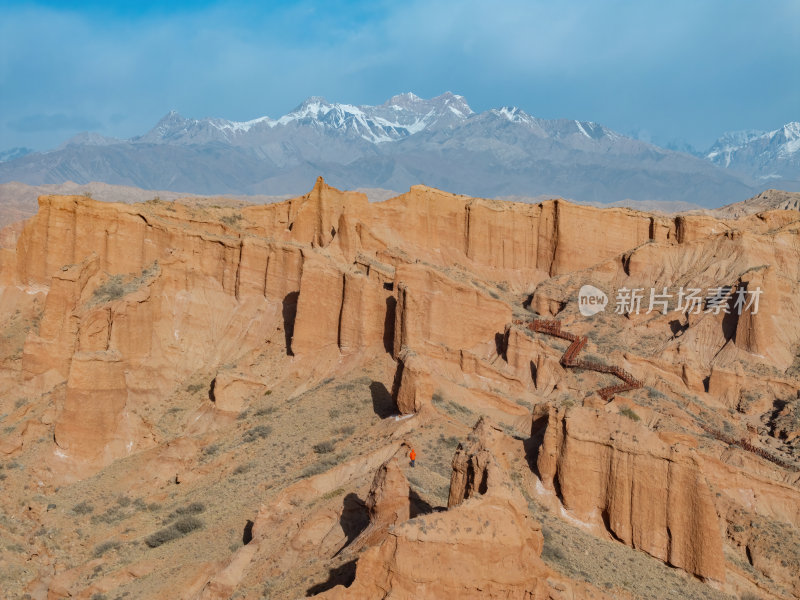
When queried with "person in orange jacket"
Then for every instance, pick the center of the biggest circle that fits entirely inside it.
(413, 456)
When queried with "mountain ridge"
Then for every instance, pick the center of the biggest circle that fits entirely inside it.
(764, 155)
(407, 140)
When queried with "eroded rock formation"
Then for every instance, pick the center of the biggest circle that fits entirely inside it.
(486, 545)
(648, 493)
(227, 358)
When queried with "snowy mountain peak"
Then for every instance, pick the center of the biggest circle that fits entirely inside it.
(404, 140)
(455, 103)
(791, 131)
(171, 118)
(593, 130)
(401, 116)
(764, 154)
(513, 114)
(406, 100)
(312, 106)
(736, 139)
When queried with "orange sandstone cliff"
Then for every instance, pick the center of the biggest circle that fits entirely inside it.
(214, 402)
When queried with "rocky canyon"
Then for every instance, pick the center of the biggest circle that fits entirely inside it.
(210, 401)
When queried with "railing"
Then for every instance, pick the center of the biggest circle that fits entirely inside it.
(570, 357)
(745, 445)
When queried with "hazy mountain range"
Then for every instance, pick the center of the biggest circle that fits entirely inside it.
(409, 140)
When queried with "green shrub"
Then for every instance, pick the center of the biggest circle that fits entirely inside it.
(191, 509)
(450, 442)
(320, 466)
(101, 549)
(116, 286)
(257, 432)
(111, 289)
(242, 468)
(324, 447)
(347, 430)
(333, 494)
(211, 450)
(178, 529)
(231, 220)
(629, 413)
(83, 508)
(195, 508)
(112, 515)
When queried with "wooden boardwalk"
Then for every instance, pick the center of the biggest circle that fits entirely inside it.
(570, 357)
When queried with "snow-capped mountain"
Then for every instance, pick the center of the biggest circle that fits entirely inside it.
(761, 154)
(397, 118)
(404, 141)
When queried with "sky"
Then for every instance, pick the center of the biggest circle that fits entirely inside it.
(677, 72)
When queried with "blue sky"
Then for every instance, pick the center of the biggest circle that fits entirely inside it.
(682, 71)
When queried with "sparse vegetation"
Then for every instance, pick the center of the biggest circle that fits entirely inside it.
(256, 433)
(193, 388)
(450, 442)
(320, 466)
(333, 494)
(178, 529)
(265, 411)
(231, 220)
(104, 547)
(83, 508)
(117, 286)
(115, 514)
(450, 407)
(243, 468)
(628, 412)
(324, 447)
(112, 289)
(211, 450)
(195, 508)
(611, 565)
